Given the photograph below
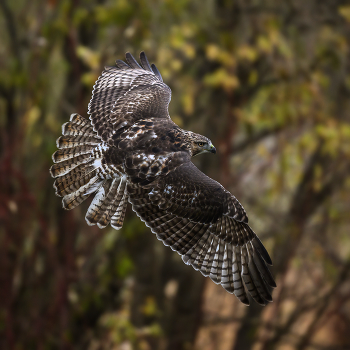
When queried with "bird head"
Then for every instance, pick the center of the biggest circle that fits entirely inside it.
(200, 144)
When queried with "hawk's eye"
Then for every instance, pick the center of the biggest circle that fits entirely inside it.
(200, 144)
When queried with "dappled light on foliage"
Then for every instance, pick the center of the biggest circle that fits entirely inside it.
(269, 83)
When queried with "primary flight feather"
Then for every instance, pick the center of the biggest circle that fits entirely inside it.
(131, 151)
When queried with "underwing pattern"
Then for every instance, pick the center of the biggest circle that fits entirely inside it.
(131, 151)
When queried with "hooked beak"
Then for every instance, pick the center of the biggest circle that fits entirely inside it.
(212, 149)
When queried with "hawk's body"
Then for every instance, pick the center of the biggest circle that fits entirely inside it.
(132, 151)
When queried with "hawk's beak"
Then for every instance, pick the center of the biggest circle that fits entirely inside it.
(212, 149)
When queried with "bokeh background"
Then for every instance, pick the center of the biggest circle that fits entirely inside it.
(269, 82)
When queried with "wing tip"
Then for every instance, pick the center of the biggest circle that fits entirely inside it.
(144, 62)
(156, 72)
(261, 249)
(119, 64)
(130, 59)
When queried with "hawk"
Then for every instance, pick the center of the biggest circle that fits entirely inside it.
(131, 151)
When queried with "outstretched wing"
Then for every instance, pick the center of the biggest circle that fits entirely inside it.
(206, 224)
(125, 93)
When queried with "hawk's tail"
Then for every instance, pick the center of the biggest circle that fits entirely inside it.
(77, 170)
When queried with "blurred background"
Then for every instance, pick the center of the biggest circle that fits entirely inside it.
(269, 83)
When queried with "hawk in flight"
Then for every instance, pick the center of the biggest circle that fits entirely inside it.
(131, 151)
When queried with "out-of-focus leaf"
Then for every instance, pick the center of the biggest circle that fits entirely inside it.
(89, 57)
(345, 12)
(150, 307)
(247, 52)
(221, 78)
(124, 266)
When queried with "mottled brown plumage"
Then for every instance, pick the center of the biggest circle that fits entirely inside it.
(132, 151)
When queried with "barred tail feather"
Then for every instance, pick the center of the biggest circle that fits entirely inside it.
(78, 125)
(73, 141)
(112, 202)
(118, 217)
(96, 203)
(70, 201)
(69, 153)
(109, 205)
(64, 167)
(77, 177)
(98, 207)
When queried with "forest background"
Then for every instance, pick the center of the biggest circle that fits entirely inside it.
(268, 82)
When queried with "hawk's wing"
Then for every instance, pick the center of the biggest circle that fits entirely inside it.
(206, 224)
(125, 93)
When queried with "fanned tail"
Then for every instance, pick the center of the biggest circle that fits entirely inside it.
(78, 174)
(74, 169)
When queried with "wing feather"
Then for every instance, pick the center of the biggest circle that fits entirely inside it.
(226, 271)
(131, 61)
(121, 65)
(156, 72)
(144, 62)
(208, 227)
(126, 93)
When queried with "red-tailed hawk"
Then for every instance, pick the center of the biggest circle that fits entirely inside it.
(131, 151)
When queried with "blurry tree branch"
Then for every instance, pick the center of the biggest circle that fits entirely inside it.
(307, 199)
(323, 305)
(252, 140)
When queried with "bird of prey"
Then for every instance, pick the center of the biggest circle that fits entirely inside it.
(131, 151)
